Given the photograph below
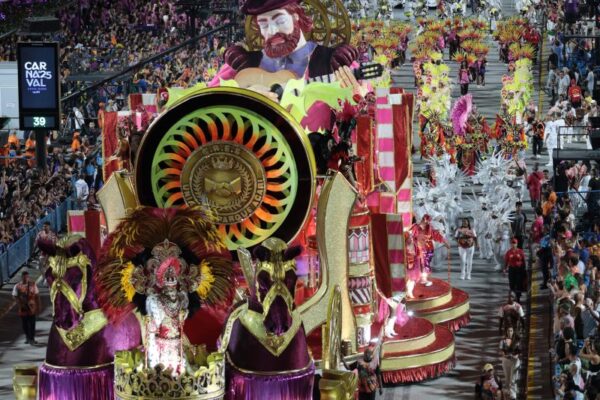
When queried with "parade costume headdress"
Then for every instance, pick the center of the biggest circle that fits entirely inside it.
(151, 248)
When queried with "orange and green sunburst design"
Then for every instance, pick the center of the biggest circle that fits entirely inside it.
(246, 128)
(184, 142)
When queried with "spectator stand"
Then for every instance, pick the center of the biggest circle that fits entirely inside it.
(121, 82)
(14, 12)
(112, 89)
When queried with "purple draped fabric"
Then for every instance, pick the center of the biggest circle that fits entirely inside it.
(293, 386)
(249, 354)
(100, 347)
(76, 384)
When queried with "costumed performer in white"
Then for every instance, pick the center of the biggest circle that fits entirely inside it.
(467, 241)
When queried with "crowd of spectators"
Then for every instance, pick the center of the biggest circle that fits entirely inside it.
(185, 68)
(565, 235)
(572, 77)
(567, 249)
(28, 194)
(110, 36)
(98, 37)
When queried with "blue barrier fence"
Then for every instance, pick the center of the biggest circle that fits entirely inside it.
(21, 251)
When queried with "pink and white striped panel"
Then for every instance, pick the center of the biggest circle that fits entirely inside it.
(385, 154)
(396, 250)
(384, 119)
(404, 198)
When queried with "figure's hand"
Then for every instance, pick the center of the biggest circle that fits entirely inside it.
(348, 80)
(343, 55)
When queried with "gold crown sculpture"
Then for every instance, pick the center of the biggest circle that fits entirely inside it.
(132, 381)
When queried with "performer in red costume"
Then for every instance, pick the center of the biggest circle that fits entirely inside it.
(514, 260)
(419, 248)
(534, 184)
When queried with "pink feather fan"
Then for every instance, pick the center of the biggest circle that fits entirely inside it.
(460, 114)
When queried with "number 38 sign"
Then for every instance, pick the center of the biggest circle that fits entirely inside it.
(39, 90)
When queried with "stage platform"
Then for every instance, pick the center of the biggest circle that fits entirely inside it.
(441, 304)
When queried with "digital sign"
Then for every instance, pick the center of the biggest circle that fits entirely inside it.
(39, 122)
(39, 89)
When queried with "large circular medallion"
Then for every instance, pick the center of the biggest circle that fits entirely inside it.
(226, 176)
(236, 152)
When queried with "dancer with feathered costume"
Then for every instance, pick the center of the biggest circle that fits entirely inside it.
(472, 134)
(167, 264)
(466, 149)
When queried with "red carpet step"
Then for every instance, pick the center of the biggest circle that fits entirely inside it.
(441, 304)
(421, 351)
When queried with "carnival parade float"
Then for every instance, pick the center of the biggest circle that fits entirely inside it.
(264, 235)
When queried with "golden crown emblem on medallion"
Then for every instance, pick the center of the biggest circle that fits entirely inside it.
(223, 163)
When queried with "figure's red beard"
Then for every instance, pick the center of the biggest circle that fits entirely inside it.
(285, 44)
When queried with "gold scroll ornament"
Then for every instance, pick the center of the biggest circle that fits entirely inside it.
(117, 198)
(335, 204)
(91, 321)
(333, 212)
(25, 382)
(253, 321)
(335, 384)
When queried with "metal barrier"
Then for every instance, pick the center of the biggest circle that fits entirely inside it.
(19, 252)
(575, 136)
(580, 201)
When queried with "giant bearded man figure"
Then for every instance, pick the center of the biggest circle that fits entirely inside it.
(283, 25)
